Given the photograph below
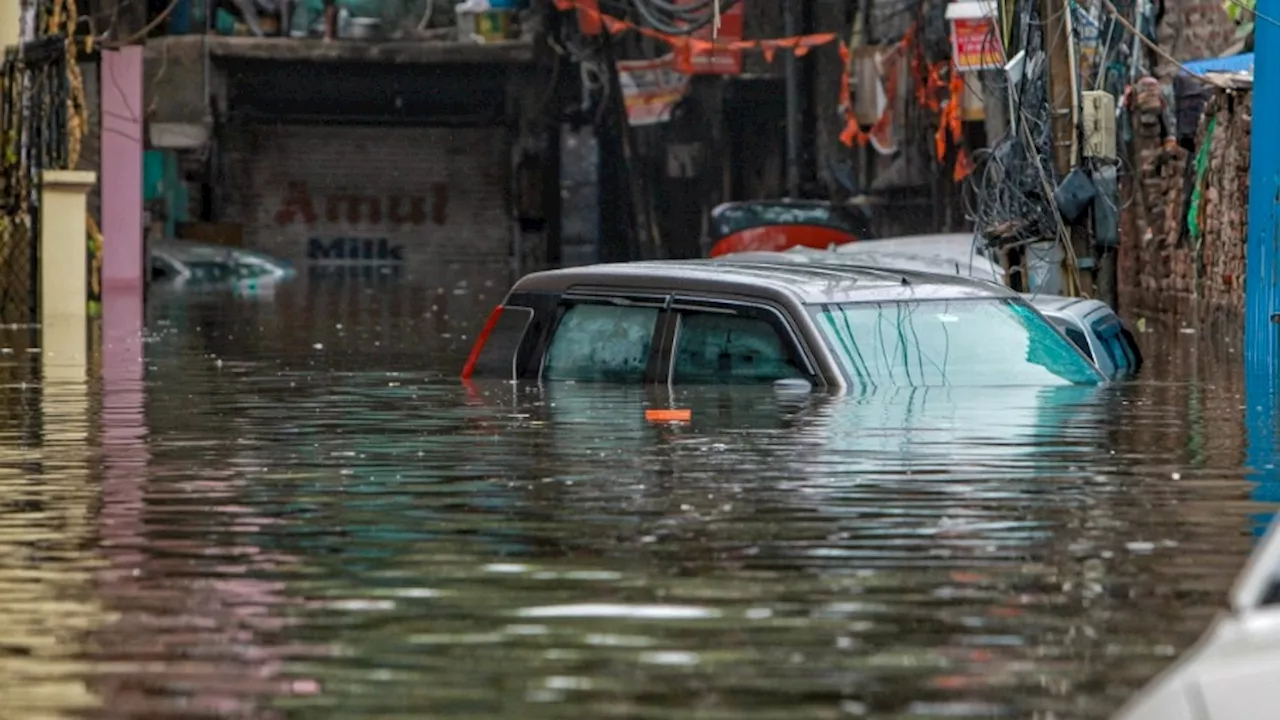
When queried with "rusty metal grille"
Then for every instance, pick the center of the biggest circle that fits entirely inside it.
(34, 92)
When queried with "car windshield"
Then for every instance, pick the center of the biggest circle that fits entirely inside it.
(966, 342)
(736, 218)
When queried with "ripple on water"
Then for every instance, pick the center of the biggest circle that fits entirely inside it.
(261, 528)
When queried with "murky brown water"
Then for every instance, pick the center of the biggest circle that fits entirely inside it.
(301, 513)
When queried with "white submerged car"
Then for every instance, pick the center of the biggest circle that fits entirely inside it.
(1233, 672)
(184, 263)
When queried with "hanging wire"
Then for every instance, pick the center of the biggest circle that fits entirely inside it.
(681, 18)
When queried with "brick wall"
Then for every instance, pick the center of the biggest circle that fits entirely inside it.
(1191, 30)
(1167, 266)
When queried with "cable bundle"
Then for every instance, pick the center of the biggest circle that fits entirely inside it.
(675, 17)
(1008, 196)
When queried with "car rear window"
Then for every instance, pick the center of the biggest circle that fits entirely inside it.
(968, 342)
(498, 356)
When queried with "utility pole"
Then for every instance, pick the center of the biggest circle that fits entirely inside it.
(791, 29)
(1064, 110)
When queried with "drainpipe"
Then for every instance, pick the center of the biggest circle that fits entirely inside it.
(791, 26)
(1262, 253)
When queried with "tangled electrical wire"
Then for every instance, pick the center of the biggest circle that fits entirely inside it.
(678, 17)
(1009, 195)
(1006, 196)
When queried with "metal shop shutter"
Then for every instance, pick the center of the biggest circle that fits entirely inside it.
(430, 203)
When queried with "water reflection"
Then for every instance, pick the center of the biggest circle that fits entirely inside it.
(249, 515)
(46, 538)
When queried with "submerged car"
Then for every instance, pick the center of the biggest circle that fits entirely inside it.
(718, 322)
(1096, 329)
(784, 224)
(1091, 324)
(180, 263)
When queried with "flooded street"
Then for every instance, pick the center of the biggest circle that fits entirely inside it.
(292, 508)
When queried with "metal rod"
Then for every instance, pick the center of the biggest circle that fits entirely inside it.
(791, 23)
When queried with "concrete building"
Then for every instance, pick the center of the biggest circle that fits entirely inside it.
(395, 159)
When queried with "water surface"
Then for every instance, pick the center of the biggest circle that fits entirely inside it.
(289, 508)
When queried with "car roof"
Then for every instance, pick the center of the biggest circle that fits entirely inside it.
(807, 283)
(875, 253)
(1074, 306)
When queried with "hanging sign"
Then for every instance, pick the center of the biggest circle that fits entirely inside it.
(719, 59)
(651, 88)
(975, 40)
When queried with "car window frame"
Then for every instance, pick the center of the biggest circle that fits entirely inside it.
(521, 342)
(778, 318)
(568, 298)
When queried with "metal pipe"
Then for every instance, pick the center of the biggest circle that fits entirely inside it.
(1262, 255)
(791, 29)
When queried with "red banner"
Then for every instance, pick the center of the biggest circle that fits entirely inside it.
(589, 17)
(718, 59)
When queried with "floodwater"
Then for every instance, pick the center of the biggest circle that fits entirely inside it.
(288, 507)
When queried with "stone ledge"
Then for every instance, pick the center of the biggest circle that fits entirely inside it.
(401, 52)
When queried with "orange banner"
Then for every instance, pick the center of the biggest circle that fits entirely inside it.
(699, 55)
(938, 86)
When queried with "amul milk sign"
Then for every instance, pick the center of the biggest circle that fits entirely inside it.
(349, 227)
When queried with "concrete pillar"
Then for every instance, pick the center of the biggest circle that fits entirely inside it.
(123, 252)
(10, 23)
(64, 272)
(124, 418)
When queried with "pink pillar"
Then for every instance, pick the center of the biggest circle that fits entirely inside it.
(124, 420)
(123, 260)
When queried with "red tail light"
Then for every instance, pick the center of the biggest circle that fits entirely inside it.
(481, 339)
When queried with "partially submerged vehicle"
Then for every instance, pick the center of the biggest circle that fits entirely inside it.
(783, 224)
(1091, 324)
(1230, 674)
(183, 263)
(1096, 329)
(805, 325)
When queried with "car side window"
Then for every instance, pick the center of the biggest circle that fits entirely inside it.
(1076, 336)
(596, 342)
(731, 348)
